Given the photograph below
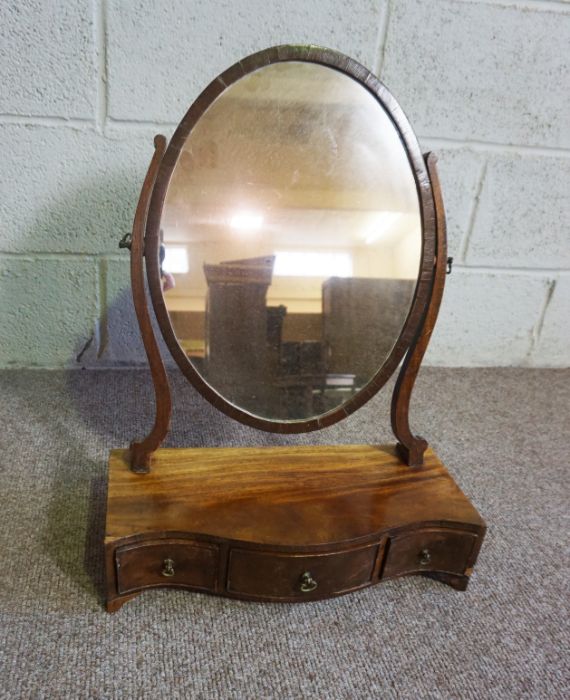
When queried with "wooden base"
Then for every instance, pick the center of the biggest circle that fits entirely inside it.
(284, 523)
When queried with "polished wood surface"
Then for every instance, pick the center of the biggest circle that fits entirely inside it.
(412, 447)
(286, 496)
(251, 522)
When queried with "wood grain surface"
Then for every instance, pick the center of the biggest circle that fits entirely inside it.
(282, 496)
(412, 447)
(141, 452)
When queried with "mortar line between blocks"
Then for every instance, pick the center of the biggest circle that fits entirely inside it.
(495, 147)
(537, 330)
(35, 120)
(381, 39)
(62, 255)
(103, 313)
(100, 30)
(125, 124)
(536, 5)
(538, 271)
(464, 247)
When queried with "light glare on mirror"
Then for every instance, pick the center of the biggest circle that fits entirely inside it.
(381, 225)
(175, 260)
(307, 264)
(246, 221)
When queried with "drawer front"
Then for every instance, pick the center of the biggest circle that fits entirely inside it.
(286, 576)
(429, 550)
(166, 563)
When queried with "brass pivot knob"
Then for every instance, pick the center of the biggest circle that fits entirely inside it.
(126, 241)
(307, 582)
(425, 557)
(168, 567)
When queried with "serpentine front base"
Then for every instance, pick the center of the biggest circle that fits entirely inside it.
(287, 524)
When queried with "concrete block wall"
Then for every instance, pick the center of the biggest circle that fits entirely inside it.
(87, 83)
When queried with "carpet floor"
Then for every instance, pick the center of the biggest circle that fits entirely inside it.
(504, 435)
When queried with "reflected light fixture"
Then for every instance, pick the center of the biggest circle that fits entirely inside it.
(246, 221)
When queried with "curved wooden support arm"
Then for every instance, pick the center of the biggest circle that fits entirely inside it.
(141, 452)
(412, 447)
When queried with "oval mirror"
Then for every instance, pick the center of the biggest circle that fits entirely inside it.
(292, 234)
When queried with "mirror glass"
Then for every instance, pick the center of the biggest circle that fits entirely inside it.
(292, 241)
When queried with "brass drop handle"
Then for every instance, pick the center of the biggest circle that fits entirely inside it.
(307, 582)
(168, 567)
(425, 557)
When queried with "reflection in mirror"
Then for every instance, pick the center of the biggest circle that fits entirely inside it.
(292, 240)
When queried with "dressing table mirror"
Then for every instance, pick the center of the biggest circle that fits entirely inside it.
(293, 236)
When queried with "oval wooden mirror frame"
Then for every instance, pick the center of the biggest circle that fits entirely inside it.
(414, 335)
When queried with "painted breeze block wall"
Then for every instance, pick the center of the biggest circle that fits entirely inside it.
(87, 84)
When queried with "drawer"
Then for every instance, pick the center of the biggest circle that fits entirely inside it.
(434, 549)
(273, 575)
(166, 563)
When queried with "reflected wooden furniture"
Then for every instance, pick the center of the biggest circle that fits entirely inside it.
(236, 322)
(361, 311)
(287, 524)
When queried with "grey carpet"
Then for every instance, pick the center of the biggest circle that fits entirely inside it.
(503, 433)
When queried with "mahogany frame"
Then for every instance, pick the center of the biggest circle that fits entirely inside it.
(416, 331)
(141, 451)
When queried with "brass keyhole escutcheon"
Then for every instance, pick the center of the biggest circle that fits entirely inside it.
(307, 582)
(425, 557)
(168, 567)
